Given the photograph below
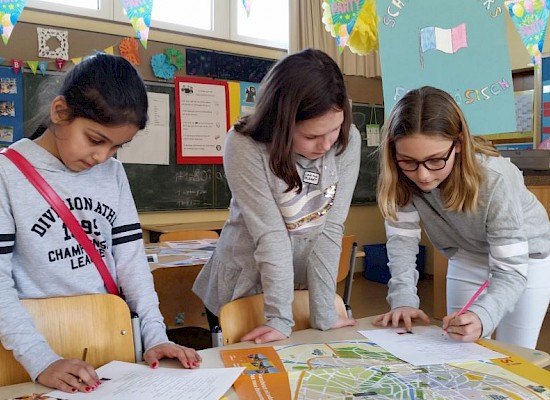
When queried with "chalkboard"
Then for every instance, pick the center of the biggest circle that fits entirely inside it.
(154, 187)
(365, 190)
(187, 187)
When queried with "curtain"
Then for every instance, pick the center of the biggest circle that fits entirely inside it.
(307, 30)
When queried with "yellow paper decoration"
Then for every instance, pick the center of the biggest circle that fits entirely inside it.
(364, 37)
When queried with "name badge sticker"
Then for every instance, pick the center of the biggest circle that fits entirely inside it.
(311, 177)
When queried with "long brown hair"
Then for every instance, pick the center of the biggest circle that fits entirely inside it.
(431, 112)
(299, 87)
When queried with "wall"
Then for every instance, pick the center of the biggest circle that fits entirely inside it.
(364, 221)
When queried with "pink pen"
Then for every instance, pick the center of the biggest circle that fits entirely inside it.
(474, 298)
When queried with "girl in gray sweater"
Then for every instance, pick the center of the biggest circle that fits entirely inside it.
(292, 168)
(476, 210)
(100, 107)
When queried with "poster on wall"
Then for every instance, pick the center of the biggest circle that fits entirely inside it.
(202, 120)
(11, 106)
(457, 46)
(249, 93)
(545, 104)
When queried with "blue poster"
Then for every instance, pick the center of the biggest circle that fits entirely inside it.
(11, 106)
(458, 46)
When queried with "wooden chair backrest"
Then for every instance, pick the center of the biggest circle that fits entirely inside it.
(240, 316)
(188, 235)
(99, 322)
(345, 254)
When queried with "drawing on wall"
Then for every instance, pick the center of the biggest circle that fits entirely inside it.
(445, 40)
(456, 46)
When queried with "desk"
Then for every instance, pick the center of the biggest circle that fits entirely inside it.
(154, 230)
(178, 304)
(211, 357)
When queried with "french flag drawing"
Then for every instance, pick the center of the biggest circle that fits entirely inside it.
(446, 40)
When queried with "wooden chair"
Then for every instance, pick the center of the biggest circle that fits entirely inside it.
(99, 322)
(346, 267)
(240, 316)
(188, 235)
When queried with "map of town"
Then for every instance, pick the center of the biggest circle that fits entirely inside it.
(363, 370)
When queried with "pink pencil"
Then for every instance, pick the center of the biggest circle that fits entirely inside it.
(474, 298)
(471, 301)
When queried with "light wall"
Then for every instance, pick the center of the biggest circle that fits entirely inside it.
(364, 221)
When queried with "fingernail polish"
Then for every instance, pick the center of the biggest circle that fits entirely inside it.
(155, 364)
(87, 389)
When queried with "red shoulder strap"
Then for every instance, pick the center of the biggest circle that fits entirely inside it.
(63, 211)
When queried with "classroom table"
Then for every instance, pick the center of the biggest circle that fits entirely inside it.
(179, 306)
(155, 230)
(212, 359)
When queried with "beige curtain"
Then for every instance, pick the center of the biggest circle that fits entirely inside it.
(307, 30)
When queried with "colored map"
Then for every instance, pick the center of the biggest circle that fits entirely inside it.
(359, 369)
(363, 370)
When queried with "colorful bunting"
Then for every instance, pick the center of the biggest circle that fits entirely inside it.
(139, 13)
(344, 14)
(247, 6)
(16, 64)
(59, 63)
(9, 14)
(33, 65)
(43, 67)
(530, 18)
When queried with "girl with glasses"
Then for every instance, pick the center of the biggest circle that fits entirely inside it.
(476, 210)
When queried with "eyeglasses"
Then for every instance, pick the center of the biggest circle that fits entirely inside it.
(433, 164)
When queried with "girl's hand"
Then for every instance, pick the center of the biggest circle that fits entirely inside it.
(405, 314)
(70, 375)
(263, 334)
(188, 357)
(465, 328)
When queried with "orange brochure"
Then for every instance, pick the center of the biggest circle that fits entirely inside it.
(264, 376)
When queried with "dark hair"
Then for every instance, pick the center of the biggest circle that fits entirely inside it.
(105, 89)
(299, 87)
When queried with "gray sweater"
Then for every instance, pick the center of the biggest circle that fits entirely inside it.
(274, 241)
(509, 226)
(40, 258)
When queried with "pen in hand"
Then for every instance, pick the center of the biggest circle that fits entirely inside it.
(471, 301)
(84, 355)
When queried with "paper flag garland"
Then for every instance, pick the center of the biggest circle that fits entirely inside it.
(247, 5)
(530, 17)
(139, 13)
(9, 14)
(363, 38)
(344, 14)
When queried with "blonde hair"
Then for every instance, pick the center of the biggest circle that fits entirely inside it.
(431, 112)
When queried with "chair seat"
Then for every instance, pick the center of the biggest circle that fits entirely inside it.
(240, 316)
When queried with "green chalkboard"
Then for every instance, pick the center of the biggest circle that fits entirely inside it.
(365, 190)
(187, 187)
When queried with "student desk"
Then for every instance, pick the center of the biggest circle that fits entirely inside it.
(178, 304)
(212, 359)
(155, 230)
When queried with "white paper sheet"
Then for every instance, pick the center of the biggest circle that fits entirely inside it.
(152, 144)
(428, 345)
(141, 382)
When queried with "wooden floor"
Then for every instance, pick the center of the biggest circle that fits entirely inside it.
(369, 298)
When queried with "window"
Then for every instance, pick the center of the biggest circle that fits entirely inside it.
(88, 8)
(267, 24)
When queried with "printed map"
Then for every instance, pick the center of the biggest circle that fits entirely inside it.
(359, 369)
